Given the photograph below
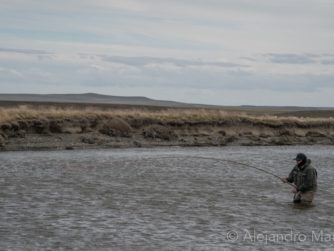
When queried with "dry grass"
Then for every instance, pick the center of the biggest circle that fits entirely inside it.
(53, 112)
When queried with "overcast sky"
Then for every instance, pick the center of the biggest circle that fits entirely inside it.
(237, 52)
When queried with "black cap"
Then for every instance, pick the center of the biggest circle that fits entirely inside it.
(300, 156)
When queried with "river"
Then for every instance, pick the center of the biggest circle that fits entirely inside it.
(162, 199)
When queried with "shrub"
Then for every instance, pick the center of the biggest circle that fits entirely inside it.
(116, 127)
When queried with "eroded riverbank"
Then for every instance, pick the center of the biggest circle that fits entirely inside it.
(128, 131)
(40, 126)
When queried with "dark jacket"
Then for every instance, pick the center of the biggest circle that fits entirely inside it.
(304, 177)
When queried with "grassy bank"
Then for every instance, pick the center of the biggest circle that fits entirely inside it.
(23, 112)
(45, 126)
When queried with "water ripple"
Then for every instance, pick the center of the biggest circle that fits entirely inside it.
(137, 199)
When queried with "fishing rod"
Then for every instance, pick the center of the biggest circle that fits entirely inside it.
(238, 163)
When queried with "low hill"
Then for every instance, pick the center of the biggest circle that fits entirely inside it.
(107, 101)
(93, 98)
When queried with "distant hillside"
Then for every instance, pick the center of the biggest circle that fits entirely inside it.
(93, 98)
(123, 101)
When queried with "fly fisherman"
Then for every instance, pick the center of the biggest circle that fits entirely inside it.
(304, 178)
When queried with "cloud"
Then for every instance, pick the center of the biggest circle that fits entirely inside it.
(229, 26)
(143, 61)
(129, 72)
(24, 51)
(10, 74)
(213, 46)
(326, 59)
(290, 58)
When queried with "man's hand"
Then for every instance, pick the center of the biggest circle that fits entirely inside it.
(294, 190)
(284, 179)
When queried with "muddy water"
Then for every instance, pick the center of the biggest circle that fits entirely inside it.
(141, 200)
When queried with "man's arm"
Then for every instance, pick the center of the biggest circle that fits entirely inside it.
(290, 178)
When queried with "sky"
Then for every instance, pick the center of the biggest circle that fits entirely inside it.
(237, 52)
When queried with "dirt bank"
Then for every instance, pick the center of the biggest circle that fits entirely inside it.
(115, 131)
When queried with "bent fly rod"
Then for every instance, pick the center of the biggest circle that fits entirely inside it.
(237, 163)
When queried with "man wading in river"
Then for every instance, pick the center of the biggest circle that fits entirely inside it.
(304, 177)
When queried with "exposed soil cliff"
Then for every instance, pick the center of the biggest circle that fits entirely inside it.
(115, 131)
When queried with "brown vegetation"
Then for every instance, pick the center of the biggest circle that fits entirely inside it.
(31, 127)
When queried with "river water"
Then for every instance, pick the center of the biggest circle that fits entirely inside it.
(162, 199)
